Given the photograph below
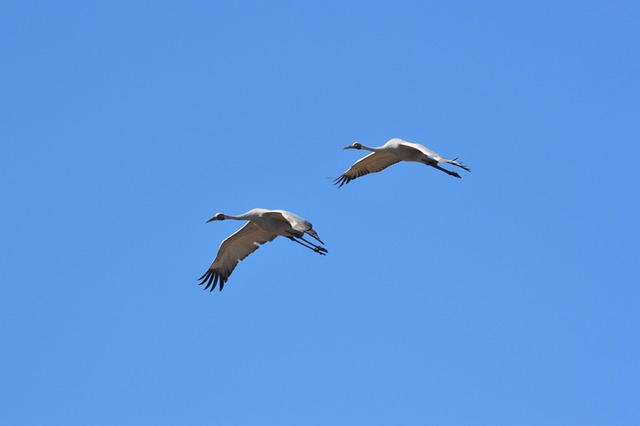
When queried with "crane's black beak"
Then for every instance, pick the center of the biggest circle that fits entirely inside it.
(211, 220)
(348, 147)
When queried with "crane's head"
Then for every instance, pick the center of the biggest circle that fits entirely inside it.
(355, 145)
(218, 216)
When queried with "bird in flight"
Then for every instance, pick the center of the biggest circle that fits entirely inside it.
(263, 226)
(392, 152)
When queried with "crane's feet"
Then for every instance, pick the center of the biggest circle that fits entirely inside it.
(321, 250)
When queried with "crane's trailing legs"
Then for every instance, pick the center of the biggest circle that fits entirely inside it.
(320, 250)
(434, 164)
(317, 248)
(449, 172)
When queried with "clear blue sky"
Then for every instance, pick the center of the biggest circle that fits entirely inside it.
(509, 297)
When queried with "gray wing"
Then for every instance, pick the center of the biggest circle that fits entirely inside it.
(293, 220)
(372, 163)
(423, 149)
(232, 250)
(437, 157)
(296, 222)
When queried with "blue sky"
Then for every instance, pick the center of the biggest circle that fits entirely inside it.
(505, 298)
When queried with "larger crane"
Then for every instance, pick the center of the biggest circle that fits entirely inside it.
(392, 152)
(263, 226)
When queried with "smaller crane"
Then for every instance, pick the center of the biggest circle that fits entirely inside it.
(392, 152)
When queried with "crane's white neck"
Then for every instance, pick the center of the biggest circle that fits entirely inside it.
(224, 216)
(244, 216)
(251, 214)
(241, 217)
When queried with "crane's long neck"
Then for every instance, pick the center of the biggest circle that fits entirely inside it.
(250, 215)
(244, 216)
(368, 148)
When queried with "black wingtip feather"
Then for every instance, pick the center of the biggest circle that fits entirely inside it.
(210, 280)
(342, 180)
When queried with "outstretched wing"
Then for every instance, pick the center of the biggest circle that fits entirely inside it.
(296, 222)
(437, 157)
(423, 149)
(232, 250)
(372, 163)
(293, 220)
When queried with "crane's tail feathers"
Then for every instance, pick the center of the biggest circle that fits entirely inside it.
(314, 234)
(459, 164)
(318, 239)
(211, 278)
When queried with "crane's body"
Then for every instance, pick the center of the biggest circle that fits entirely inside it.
(263, 226)
(392, 152)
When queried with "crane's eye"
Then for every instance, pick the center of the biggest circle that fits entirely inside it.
(220, 216)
